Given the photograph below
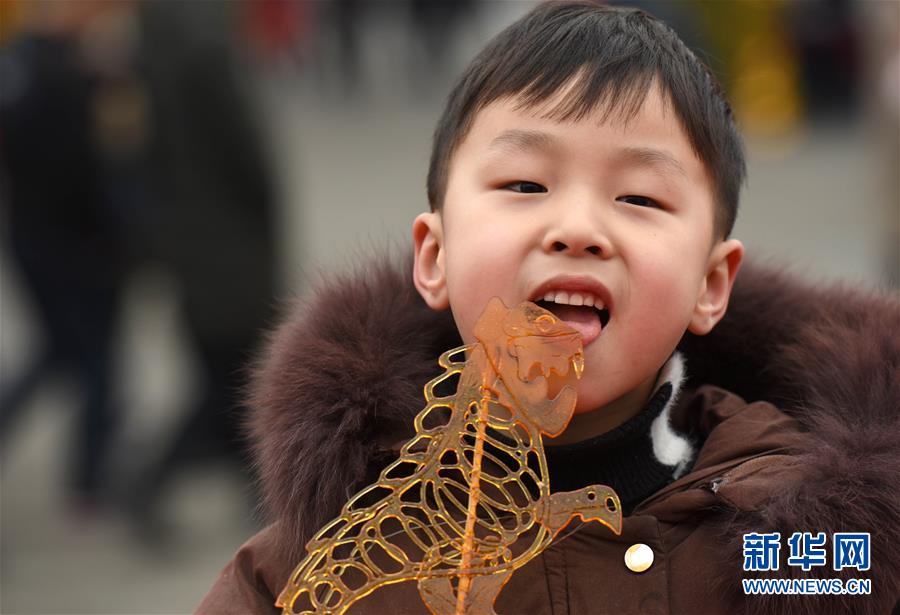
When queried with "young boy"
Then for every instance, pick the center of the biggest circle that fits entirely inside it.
(588, 161)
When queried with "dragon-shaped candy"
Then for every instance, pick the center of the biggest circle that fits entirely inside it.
(468, 500)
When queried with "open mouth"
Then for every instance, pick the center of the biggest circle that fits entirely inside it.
(586, 319)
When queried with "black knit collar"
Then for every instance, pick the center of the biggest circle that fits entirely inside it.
(636, 458)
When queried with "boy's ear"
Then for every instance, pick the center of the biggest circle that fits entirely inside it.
(428, 270)
(724, 262)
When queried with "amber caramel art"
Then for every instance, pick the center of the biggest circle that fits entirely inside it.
(468, 501)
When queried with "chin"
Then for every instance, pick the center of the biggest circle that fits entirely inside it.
(589, 405)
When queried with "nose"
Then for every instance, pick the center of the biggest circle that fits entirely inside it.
(576, 227)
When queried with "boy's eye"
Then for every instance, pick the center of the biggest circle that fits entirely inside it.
(641, 201)
(525, 187)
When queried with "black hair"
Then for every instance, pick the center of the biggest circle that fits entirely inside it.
(618, 53)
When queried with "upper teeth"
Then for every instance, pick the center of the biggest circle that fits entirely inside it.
(572, 298)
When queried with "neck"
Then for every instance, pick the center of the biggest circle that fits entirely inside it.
(605, 418)
(636, 458)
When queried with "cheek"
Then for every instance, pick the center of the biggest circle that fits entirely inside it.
(661, 308)
(666, 273)
(480, 265)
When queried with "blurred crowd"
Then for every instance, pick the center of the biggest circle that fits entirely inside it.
(128, 140)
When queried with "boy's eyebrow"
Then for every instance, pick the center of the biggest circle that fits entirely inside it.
(517, 139)
(648, 156)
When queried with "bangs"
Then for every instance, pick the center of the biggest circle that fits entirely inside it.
(604, 70)
(586, 93)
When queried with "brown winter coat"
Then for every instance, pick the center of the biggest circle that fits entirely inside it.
(342, 379)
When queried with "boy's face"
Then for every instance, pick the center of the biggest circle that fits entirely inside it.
(629, 206)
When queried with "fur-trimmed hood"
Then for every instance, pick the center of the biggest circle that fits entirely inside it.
(342, 378)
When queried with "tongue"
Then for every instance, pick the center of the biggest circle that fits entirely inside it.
(583, 319)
